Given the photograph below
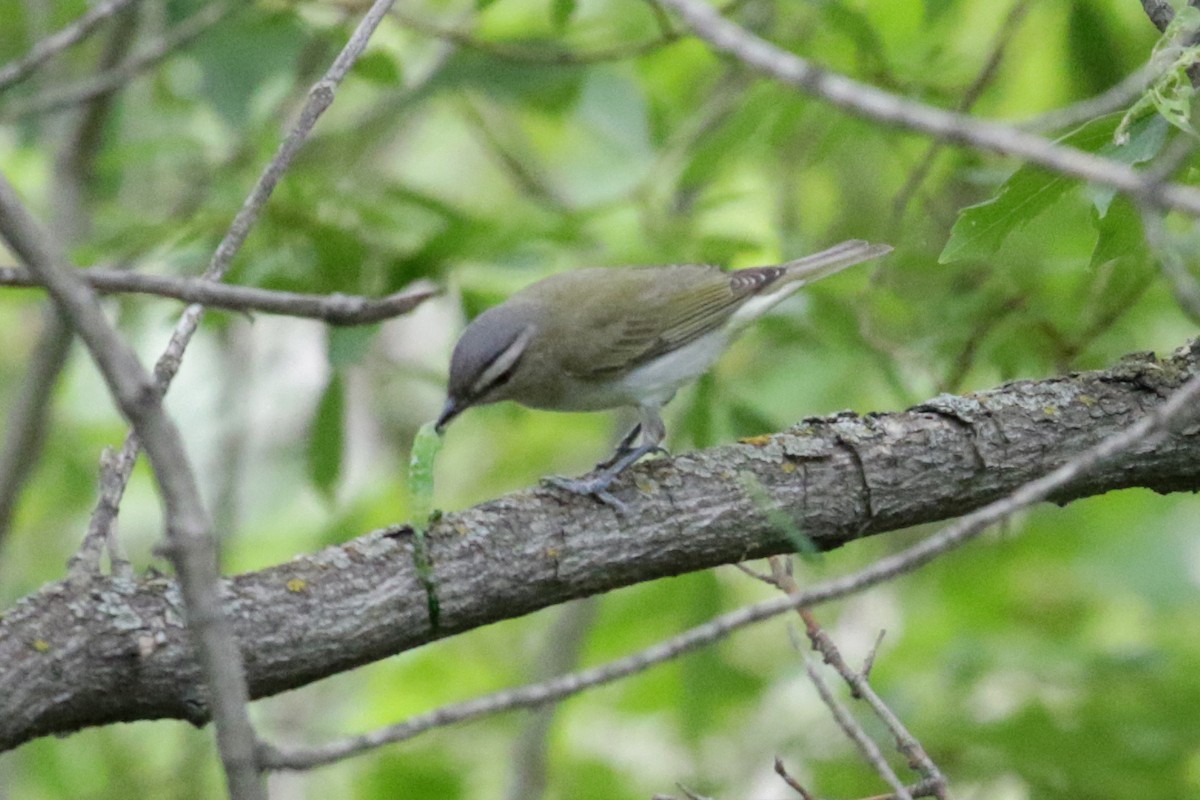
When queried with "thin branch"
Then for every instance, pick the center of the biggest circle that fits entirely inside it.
(16, 71)
(872, 103)
(191, 546)
(1181, 403)
(336, 309)
(860, 687)
(855, 733)
(792, 783)
(320, 96)
(106, 81)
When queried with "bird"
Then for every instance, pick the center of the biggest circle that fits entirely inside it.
(602, 338)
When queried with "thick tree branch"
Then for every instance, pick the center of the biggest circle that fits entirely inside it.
(336, 309)
(1175, 413)
(115, 650)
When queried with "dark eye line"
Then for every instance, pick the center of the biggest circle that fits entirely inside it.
(501, 379)
(506, 376)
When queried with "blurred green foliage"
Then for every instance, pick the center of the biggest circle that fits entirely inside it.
(1058, 659)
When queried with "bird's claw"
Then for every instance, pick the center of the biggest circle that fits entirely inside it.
(596, 487)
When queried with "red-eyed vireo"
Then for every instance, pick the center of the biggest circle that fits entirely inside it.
(603, 338)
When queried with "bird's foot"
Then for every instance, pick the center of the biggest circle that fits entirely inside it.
(595, 486)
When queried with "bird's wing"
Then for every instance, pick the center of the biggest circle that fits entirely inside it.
(672, 307)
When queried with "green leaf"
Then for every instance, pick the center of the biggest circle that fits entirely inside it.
(1141, 142)
(981, 229)
(327, 437)
(1121, 234)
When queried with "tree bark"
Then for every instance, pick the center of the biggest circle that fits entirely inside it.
(114, 650)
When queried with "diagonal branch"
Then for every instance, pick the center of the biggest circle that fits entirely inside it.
(871, 103)
(191, 545)
(336, 309)
(320, 97)
(328, 612)
(1149, 429)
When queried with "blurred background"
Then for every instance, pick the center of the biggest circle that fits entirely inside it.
(481, 145)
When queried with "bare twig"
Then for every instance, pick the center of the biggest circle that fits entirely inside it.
(860, 687)
(107, 80)
(792, 783)
(1181, 402)
(872, 103)
(869, 661)
(320, 96)
(188, 530)
(854, 732)
(101, 533)
(16, 71)
(336, 309)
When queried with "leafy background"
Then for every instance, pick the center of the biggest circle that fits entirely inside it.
(1057, 659)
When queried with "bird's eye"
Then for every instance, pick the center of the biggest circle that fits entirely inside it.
(501, 368)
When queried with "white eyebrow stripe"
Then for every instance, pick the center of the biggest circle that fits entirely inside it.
(503, 363)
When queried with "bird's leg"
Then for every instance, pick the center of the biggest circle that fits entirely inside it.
(624, 447)
(652, 430)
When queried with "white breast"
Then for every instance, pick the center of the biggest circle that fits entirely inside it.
(658, 379)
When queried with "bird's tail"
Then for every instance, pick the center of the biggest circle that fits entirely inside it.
(835, 259)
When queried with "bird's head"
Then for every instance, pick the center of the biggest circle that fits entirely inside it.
(486, 357)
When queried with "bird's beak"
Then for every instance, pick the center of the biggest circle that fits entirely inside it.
(451, 410)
